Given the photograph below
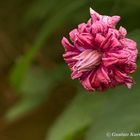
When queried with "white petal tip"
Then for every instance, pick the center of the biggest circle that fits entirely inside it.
(91, 10)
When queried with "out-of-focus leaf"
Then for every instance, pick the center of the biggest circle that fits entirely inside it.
(49, 27)
(78, 116)
(136, 36)
(43, 9)
(105, 112)
(22, 107)
(37, 81)
(120, 114)
(104, 0)
(125, 8)
(133, 2)
(35, 89)
(59, 17)
(38, 10)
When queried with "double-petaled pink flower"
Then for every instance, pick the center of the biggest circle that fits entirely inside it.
(100, 55)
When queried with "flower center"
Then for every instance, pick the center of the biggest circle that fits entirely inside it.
(87, 60)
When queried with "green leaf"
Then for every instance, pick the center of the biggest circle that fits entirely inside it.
(22, 107)
(43, 9)
(120, 114)
(135, 3)
(77, 116)
(37, 81)
(104, 112)
(38, 10)
(34, 90)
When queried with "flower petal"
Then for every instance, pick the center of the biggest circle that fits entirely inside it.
(122, 78)
(86, 82)
(66, 44)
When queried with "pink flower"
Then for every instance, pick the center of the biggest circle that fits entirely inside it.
(100, 55)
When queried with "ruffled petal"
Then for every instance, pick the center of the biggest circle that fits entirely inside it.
(86, 81)
(76, 74)
(122, 31)
(66, 44)
(101, 78)
(100, 55)
(85, 41)
(122, 78)
(94, 15)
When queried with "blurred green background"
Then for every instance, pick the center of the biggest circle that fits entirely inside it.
(38, 99)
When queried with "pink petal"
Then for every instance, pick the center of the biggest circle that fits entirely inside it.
(67, 45)
(122, 31)
(94, 15)
(86, 82)
(85, 41)
(100, 55)
(76, 74)
(122, 78)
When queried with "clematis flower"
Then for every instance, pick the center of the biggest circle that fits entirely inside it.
(100, 55)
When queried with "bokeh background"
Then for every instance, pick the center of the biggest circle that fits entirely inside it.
(38, 99)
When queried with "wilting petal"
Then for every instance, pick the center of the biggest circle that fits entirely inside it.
(99, 39)
(110, 21)
(94, 15)
(85, 41)
(108, 61)
(99, 27)
(107, 42)
(100, 78)
(82, 28)
(110, 43)
(100, 55)
(128, 43)
(118, 57)
(76, 74)
(87, 60)
(67, 45)
(122, 78)
(114, 20)
(114, 32)
(69, 55)
(73, 35)
(130, 68)
(86, 82)
(130, 46)
(122, 31)
(82, 55)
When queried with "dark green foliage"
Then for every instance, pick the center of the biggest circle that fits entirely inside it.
(88, 115)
